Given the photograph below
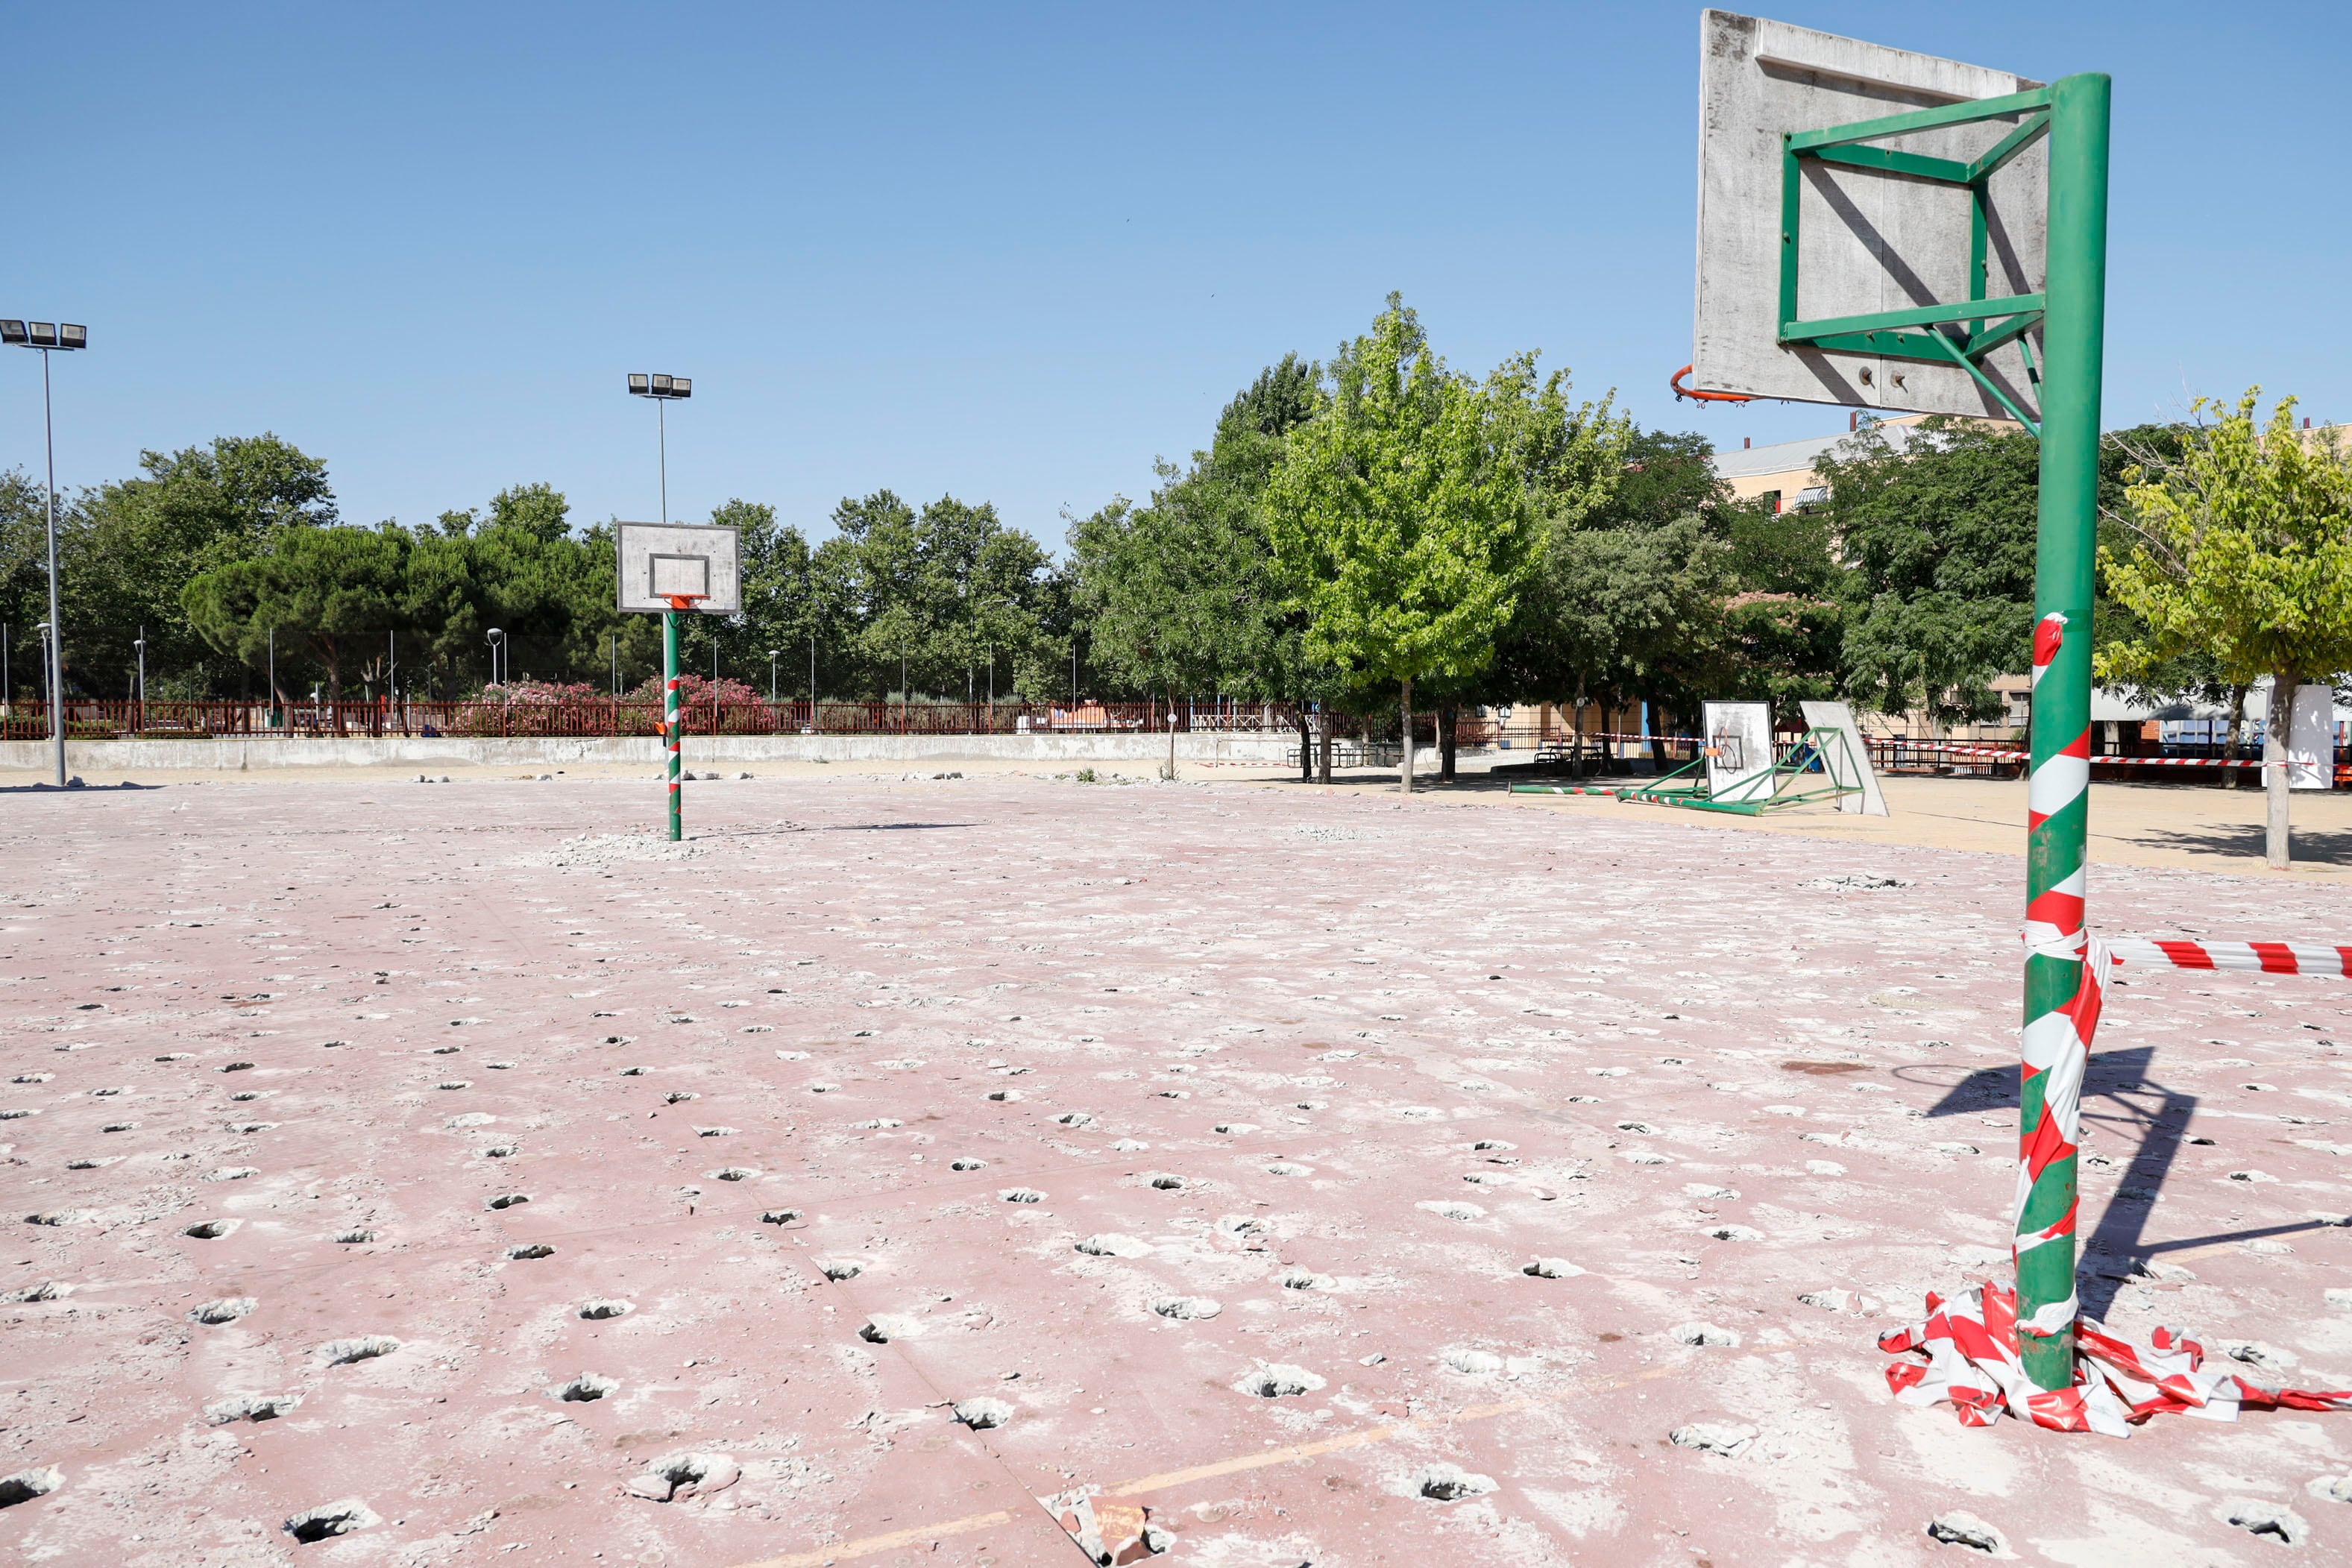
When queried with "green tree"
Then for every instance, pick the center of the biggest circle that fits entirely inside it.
(331, 593)
(2241, 550)
(126, 551)
(1403, 517)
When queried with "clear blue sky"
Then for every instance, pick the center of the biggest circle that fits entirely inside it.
(1011, 252)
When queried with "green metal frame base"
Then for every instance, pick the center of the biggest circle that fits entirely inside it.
(1687, 786)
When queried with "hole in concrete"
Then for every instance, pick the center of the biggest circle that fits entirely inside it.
(1021, 1195)
(1472, 1362)
(1076, 1119)
(633, 1071)
(1960, 1528)
(232, 1173)
(681, 1476)
(211, 1230)
(679, 1096)
(735, 1173)
(355, 1236)
(456, 1084)
(529, 1249)
(344, 1351)
(27, 1485)
(1284, 1167)
(586, 1386)
(250, 1407)
(882, 1330)
(596, 1310)
(1186, 1309)
(1493, 1143)
(446, 1050)
(714, 1131)
(780, 1217)
(1168, 1183)
(1736, 1233)
(1005, 1094)
(227, 1309)
(330, 1520)
(982, 1415)
(1112, 1245)
(1303, 1280)
(966, 1165)
(844, 1270)
(1451, 1483)
(1702, 1333)
(1279, 1382)
(1236, 1128)
(249, 1094)
(507, 1200)
(1642, 1128)
(877, 1124)
(1454, 1210)
(1552, 1269)
(500, 1151)
(46, 1291)
(235, 1067)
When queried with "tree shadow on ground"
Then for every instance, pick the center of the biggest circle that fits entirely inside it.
(2325, 847)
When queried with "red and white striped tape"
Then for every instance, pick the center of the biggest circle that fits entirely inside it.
(1969, 1343)
(2259, 957)
(2004, 754)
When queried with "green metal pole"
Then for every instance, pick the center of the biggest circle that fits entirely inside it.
(669, 717)
(2058, 803)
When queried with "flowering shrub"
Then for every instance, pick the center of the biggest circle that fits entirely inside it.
(546, 707)
(712, 708)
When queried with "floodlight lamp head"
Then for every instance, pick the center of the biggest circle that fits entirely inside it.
(69, 336)
(13, 332)
(681, 386)
(44, 334)
(661, 385)
(637, 385)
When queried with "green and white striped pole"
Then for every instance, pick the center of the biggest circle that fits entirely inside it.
(2056, 848)
(669, 717)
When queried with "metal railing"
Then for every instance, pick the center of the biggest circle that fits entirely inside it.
(603, 718)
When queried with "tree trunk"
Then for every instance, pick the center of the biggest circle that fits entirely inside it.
(1306, 752)
(1405, 701)
(1323, 743)
(2276, 849)
(2237, 731)
(1449, 729)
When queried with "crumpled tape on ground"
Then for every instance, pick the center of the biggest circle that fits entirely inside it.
(1970, 1344)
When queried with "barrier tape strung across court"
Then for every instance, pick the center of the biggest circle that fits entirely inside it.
(1970, 1340)
(2004, 754)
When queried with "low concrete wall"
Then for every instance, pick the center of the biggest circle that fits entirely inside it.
(99, 756)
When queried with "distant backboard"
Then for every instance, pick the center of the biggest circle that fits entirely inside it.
(657, 559)
(1885, 225)
(1738, 750)
(1847, 761)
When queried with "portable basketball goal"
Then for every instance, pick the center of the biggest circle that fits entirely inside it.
(672, 570)
(1888, 230)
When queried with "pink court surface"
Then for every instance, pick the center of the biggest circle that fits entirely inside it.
(1343, 1178)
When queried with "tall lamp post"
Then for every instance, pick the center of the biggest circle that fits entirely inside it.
(664, 390)
(139, 644)
(771, 677)
(496, 640)
(49, 336)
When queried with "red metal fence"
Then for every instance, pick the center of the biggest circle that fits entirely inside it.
(601, 717)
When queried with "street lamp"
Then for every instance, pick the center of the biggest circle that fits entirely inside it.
(771, 677)
(498, 649)
(49, 336)
(140, 643)
(663, 390)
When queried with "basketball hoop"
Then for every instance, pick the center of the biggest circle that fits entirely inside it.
(682, 602)
(1675, 385)
(674, 570)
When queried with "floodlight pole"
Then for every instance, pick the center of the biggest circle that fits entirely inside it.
(57, 622)
(2057, 810)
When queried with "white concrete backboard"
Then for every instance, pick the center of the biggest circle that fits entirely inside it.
(658, 559)
(1848, 765)
(1867, 241)
(1738, 750)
